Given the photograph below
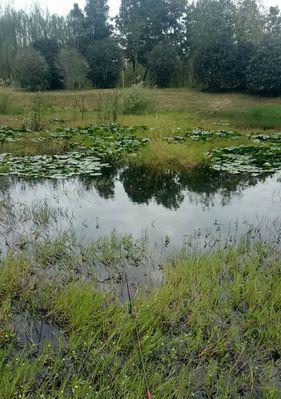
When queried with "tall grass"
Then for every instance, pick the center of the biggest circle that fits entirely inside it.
(211, 331)
(8, 105)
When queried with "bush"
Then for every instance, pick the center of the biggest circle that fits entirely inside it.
(214, 67)
(264, 71)
(32, 71)
(105, 61)
(137, 101)
(164, 63)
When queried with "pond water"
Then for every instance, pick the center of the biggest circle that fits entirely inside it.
(168, 206)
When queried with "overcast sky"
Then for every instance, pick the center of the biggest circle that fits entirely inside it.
(63, 6)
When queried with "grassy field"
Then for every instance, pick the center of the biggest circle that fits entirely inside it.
(174, 112)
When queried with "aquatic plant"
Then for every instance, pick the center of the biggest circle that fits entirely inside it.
(246, 159)
(8, 134)
(204, 135)
(97, 144)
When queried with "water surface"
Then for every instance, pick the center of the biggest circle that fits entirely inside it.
(167, 206)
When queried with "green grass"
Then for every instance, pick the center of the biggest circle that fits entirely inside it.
(212, 330)
(264, 117)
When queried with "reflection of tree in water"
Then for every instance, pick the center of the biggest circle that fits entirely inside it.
(143, 184)
(104, 184)
(204, 185)
(167, 188)
(5, 184)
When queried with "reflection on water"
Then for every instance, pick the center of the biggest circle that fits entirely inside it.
(137, 199)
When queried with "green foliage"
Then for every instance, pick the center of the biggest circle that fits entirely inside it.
(8, 105)
(32, 70)
(73, 68)
(164, 64)
(137, 101)
(204, 136)
(49, 50)
(97, 19)
(144, 24)
(247, 159)
(107, 142)
(264, 70)
(214, 67)
(105, 61)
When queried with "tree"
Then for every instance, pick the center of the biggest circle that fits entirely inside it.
(32, 71)
(79, 33)
(264, 71)
(49, 49)
(164, 62)
(144, 24)
(105, 60)
(211, 21)
(97, 18)
(214, 67)
(273, 21)
(74, 69)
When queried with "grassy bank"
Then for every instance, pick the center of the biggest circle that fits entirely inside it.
(174, 112)
(211, 331)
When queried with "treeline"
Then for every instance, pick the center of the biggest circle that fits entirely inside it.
(212, 44)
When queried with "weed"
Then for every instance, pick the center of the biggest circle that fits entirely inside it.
(137, 101)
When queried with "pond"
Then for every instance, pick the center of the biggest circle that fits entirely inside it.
(168, 207)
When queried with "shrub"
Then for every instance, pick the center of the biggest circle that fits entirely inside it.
(32, 71)
(137, 101)
(264, 71)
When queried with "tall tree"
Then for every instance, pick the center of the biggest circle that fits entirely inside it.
(97, 18)
(49, 49)
(143, 24)
(79, 32)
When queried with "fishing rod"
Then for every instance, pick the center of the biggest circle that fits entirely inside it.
(138, 336)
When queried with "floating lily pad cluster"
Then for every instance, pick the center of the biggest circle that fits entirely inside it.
(8, 134)
(246, 159)
(56, 166)
(104, 143)
(204, 135)
(265, 138)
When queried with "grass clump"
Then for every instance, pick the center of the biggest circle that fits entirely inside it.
(212, 330)
(137, 101)
(8, 105)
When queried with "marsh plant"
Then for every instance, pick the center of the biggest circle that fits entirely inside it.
(108, 106)
(137, 101)
(35, 120)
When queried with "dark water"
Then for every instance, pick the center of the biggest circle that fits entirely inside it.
(167, 206)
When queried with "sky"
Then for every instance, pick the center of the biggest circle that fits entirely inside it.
(62, 7)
